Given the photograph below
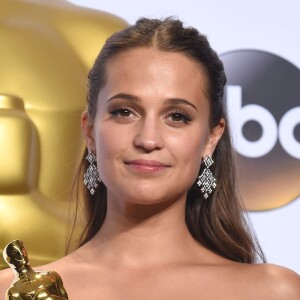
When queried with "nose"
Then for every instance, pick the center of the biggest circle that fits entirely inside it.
(149, 135)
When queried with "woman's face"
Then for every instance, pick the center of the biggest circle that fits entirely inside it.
(151, 128)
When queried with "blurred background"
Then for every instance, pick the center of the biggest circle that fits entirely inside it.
(46, 50)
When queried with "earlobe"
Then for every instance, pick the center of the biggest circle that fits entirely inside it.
(87, 130)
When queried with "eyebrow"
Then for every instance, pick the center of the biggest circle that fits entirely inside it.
(124, 96)
(180, 101)
(169, 101)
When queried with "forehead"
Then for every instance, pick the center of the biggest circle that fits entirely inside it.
(157, 71)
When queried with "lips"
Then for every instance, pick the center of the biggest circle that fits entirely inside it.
(146, 165)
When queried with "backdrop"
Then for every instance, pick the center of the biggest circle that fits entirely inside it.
(259, 44)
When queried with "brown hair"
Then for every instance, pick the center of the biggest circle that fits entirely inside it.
(218, 222)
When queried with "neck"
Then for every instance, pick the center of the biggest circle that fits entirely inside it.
(141, 235)
(23, 271)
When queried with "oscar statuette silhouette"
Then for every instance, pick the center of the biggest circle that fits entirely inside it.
(29, 284)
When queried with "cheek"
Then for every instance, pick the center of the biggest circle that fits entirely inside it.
(193, 155)
(188, 151)
(111, 142)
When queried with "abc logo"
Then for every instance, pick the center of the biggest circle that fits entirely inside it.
(263, 102)
(252, 112)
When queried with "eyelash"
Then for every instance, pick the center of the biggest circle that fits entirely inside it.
(184, 118)
(117, 112)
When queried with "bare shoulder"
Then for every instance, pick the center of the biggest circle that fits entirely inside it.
(64, 268)
(275, 282)
(6, 279)
(58, 267)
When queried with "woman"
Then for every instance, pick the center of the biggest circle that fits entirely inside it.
(164, 221)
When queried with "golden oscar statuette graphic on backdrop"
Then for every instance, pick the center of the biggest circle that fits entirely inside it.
(46, 51)
(30, 284)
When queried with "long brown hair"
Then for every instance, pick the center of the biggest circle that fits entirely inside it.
(218, 222)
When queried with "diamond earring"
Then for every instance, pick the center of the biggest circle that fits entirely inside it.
(206, 180)
(91, 178)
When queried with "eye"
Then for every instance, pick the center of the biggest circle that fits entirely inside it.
(123, 112)
(178, 117)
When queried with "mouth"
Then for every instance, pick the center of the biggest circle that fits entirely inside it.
(147, 166)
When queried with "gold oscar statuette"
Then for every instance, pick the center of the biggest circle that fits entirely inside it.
(30, 284)
(47, 48)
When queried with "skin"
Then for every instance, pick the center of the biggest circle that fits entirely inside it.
(144, 249)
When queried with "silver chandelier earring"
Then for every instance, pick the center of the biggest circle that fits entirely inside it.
(91, 178)
(206, 181)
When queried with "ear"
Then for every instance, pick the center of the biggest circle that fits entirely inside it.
(87, 130)
(214, 138)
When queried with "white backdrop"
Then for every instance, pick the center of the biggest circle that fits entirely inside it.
(271, 26)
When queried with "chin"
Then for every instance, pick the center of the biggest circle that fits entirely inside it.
(146, 192)
(145, 199)
(152, 197)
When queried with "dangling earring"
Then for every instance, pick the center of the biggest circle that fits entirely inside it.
(206, 181)
(91, 178)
